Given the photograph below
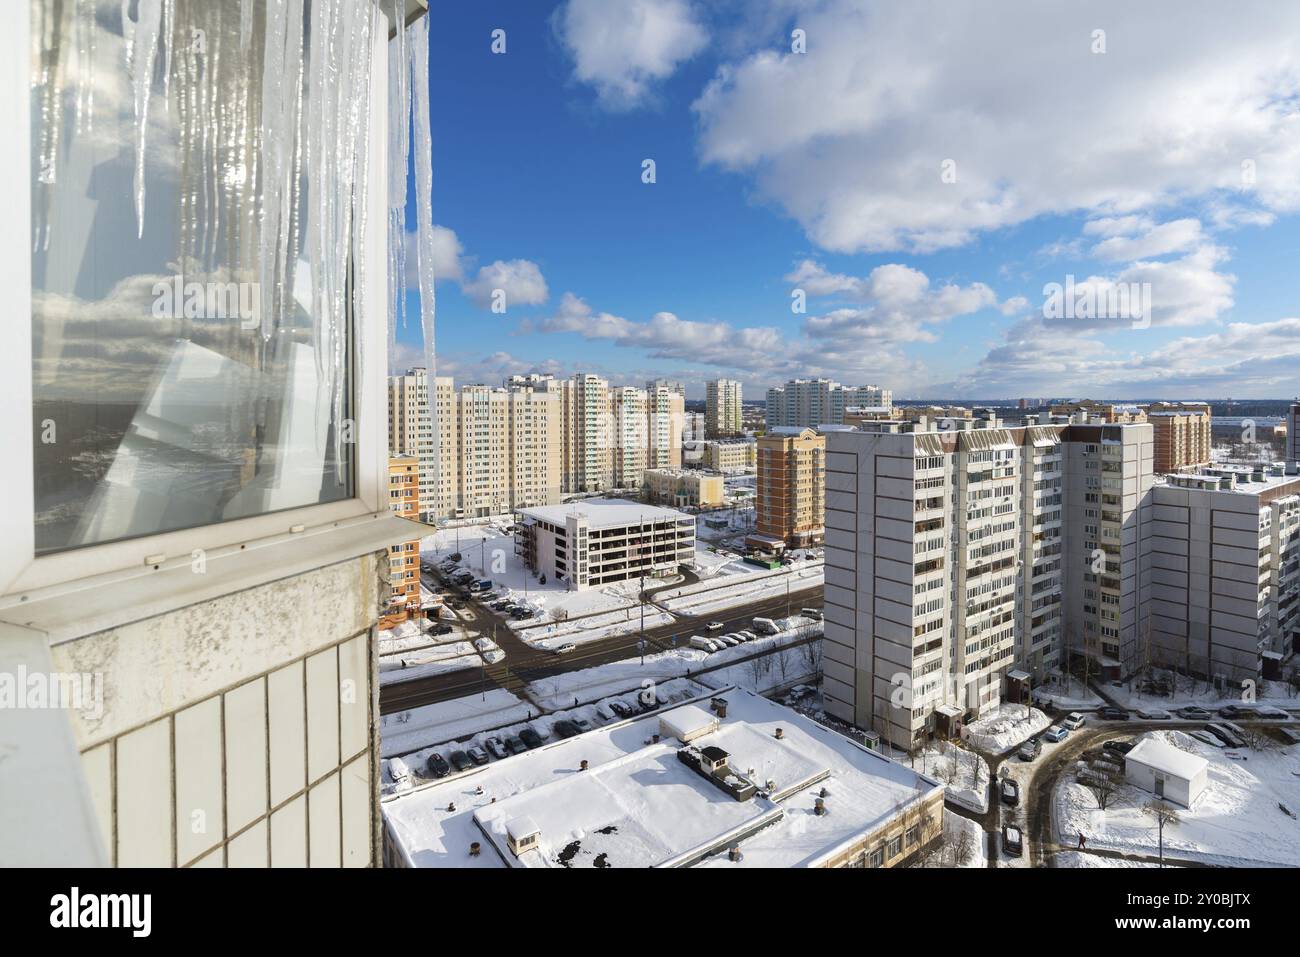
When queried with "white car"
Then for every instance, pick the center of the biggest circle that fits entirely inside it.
(565, 648)
(714, 626)
(1073, 721)
(493, 655)
(399, 772)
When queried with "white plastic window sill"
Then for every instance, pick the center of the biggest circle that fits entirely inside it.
(69, 611)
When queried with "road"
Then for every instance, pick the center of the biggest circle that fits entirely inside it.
(524, 664)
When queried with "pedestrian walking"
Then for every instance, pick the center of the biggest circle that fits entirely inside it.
(1082, 840)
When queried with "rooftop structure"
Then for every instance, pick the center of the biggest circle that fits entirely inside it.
(649, 803)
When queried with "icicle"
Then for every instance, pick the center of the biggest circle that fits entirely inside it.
(424, 211)
(141, 55)
(276, 139)
(245, 23)
(169, 28)
(399, 155)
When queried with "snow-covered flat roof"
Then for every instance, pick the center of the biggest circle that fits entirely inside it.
(1163, 757)
(686, 721)
(603, 512)
(637, 804)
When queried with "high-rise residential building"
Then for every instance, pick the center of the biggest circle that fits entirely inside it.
(665, 414)
(1293, 432)
(403, 558)
(630, 422)
(946, 555)
(722, 408)
(672, 385)
(1091, 410)
(502, 448)
(791, 488)
(411, 431)
(808, 403)
(1225, 556)
(693, 427)
(1182, 434)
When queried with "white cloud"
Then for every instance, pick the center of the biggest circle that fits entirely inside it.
(851, 137)
(1174, 236)
(520, 279)
(622, 49)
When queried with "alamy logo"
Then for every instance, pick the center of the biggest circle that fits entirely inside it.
(178, 299)
(133, 911)
(1126, 301)
(39, 690)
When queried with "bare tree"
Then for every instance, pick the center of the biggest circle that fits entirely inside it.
(812, 654)
(1163, 814)
(1103, 785)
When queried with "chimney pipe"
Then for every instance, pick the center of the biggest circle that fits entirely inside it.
(819, 807)
(583, 766)
(734, 852)
(779, 734)
(473, 849)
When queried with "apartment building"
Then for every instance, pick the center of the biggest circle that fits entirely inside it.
(791, 488)
(1084, 410)
(598, 542)
(1109, 474)
(722, 408)
(630, 421)
(730, 455)
(211, 586)
(672, 385)
(665, 426)
(1292, 429)
(693, 427)
(1182, 434)
(1225, 556)
(411, 431)
(404, 474)
(947, 557)
(683, 487)
(808, 403)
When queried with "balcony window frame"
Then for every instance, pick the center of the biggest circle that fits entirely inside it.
(22, 572)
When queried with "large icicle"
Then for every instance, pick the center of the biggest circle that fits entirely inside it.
(399, 157)
(424, 210)
(142, 51)
(276, 140)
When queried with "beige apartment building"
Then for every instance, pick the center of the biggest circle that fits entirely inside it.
(730, 455)
(722, 408)
(665, 427)
(629, 424)
(791, 502)
(411, 431)
(681, 487)
(1182, 434)
(1109, 412)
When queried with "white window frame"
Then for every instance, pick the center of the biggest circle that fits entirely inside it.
(21, 571)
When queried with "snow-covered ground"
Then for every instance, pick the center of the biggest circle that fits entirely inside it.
(780, 664)
(418, 666)
(406, 731)
(1084, 859)
(1189, 691)
(1004, 729)
(592, 628)
(615, 677)
(741, 589)
(963, 773)
(964, 844)
(1068, 694)
(1235, 821)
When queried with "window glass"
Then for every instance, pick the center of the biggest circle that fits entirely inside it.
(173, 384)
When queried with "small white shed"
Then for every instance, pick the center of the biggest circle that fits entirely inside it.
(687, 723)
(1167, 772)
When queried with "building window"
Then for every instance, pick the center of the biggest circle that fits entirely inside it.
(184, 373)
(895, 847)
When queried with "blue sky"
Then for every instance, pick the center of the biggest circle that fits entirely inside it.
(920, 172)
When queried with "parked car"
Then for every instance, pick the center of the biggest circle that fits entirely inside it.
(440, 629)
(1114, 714)
(399, 772)
(620, 709)
(1235, 711)
(814, 613)
(1226, 735)
(519, 612)
(1072, 721)
(530, 737)
(604, 713)
(582, 724)
(438, 766)
(1193, 713)
(1056, 733)
(1012, 842)
(765, 626)
(1153, 714)
(746, 635)
(1269, 713)
(704, 644)
(515, 745)
(1118, 747)
(714, 626)
(1030, 749)
(459, 760)
(478, 755)
(1009, 791)
(565, 729)
(496, 747)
